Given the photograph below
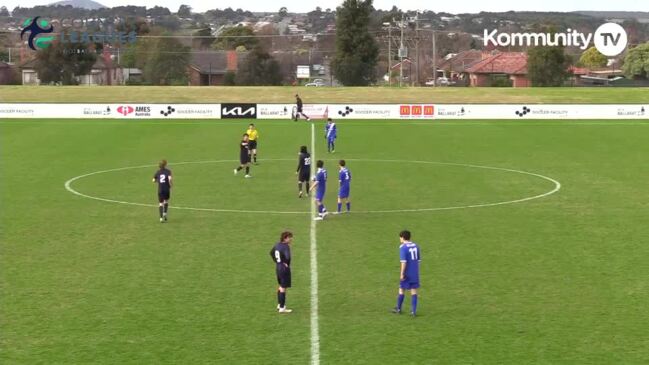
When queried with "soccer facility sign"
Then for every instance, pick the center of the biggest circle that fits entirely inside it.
(323, 111)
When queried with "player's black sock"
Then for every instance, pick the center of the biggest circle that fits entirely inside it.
(279, 301)
(247, 170)
(299, 187)
(282, 299)
(333, 146)
(239, 168)
(166, 206)
(160, 210)
(255, 157)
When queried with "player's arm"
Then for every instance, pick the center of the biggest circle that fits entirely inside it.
(403, 252)
(170, 182)
(313, 185)
(155, 178)
(300, 163)
(272, 254)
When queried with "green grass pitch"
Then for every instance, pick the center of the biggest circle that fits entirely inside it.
(561, 279)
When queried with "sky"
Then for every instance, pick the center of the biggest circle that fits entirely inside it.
(463, 6)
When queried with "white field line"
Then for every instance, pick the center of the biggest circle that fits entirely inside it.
(557, 187)
(315, 333)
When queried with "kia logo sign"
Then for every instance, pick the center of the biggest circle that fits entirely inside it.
(125, 109)
(238, 111)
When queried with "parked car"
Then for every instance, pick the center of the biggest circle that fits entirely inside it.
(441, 81)
(316, 83)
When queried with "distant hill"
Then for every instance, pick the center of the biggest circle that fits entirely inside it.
(85, 4)
(616, 14)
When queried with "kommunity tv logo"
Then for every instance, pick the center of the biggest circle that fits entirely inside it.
(610, 39)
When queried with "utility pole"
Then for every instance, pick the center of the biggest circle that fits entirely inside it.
(389, 25)
(402, 50)
(434, 61)
(417, 46)
(390, 55)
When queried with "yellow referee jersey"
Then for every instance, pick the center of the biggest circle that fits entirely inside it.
(252, 134)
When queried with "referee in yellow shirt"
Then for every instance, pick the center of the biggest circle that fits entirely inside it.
(253, 137)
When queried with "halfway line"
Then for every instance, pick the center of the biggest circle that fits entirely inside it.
(315, 336)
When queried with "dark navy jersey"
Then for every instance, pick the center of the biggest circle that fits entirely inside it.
(163, 178)
(245, 147)
(281, 254)
(299, 103)
(304, 163)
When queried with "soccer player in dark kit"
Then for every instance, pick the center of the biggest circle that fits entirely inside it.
(163, 178)
(281, 255)
(244, 156)
(299, 109)
(303, 171)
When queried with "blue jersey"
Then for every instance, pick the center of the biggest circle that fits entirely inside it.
(345, 178)
(330, 131)
(321, 178)
(409, 253)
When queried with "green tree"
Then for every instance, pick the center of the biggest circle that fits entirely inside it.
(229, 79)
(283, 12)
(592, 58)
(206, 39)
(259, 68)
(61, 62)
(636, 62)
(4, 11)
(547, 66)
(234, 37)
(185, 11)
(167, 63)
(356, 51)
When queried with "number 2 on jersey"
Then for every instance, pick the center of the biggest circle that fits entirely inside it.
(163, 178)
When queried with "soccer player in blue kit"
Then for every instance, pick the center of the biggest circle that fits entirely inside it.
(409, 256)
(345, 178)
(330, 134)
(320, 184)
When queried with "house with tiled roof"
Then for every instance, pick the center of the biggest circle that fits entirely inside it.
(209, 68)
(510, 65)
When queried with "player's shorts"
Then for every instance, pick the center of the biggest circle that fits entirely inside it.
(253, 144)
(164, 195)
(283, 276)
(304, 177)
(319, 195)
(408, 284)
(331, 139)
(244, 158)
(343, 193)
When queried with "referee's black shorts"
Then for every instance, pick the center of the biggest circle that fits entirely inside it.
(252, 144)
